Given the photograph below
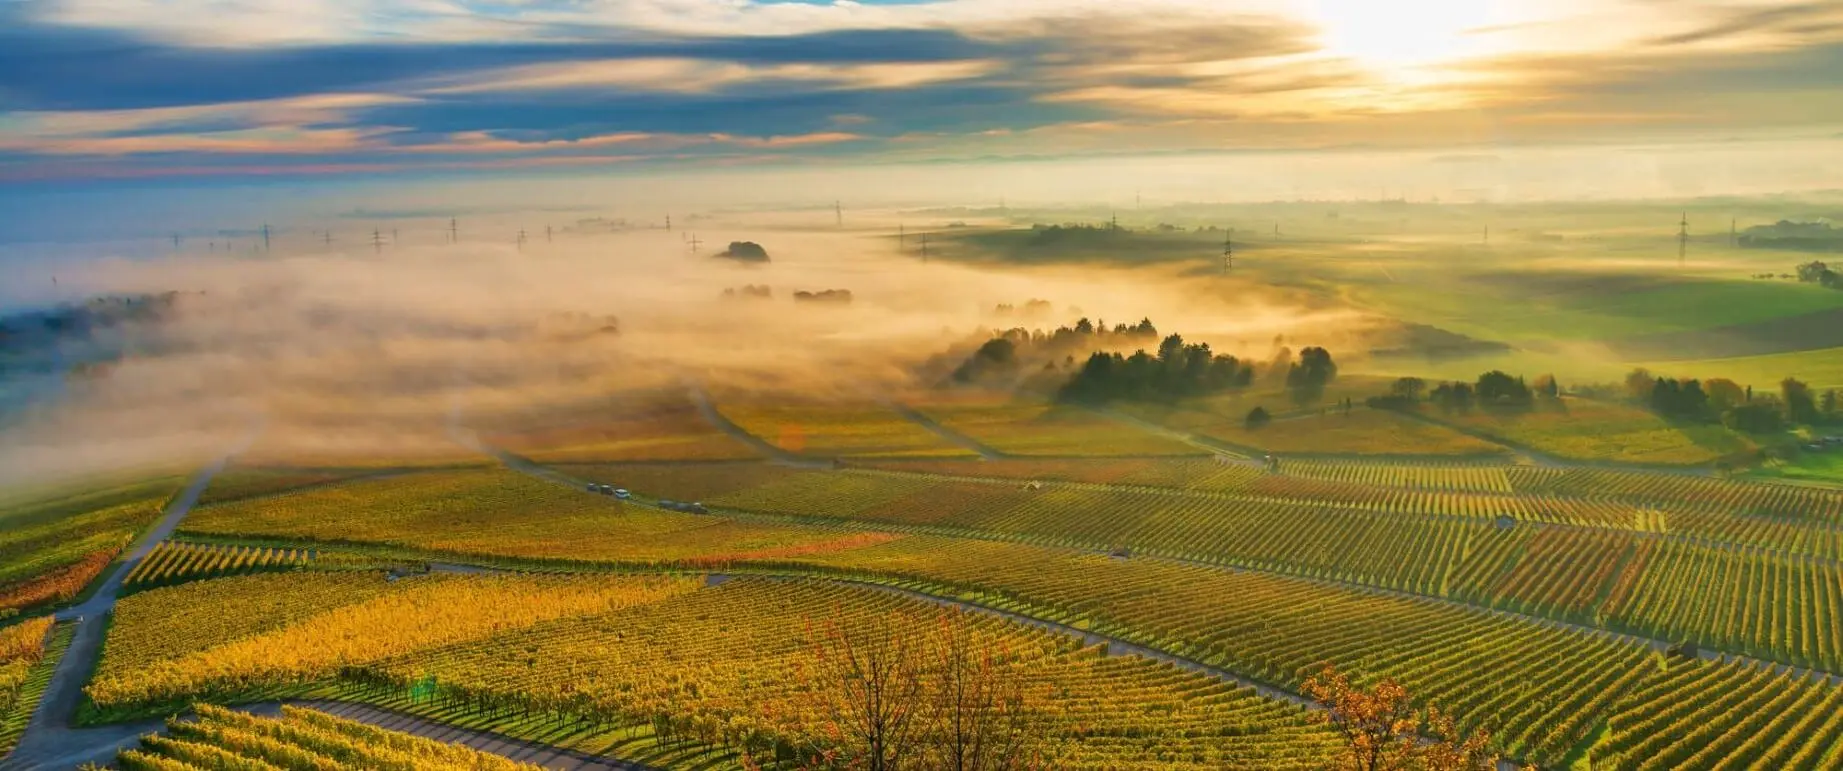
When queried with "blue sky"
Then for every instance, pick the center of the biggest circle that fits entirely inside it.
(101, 90)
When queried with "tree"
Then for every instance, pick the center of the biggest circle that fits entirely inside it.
(1800, 407)
(1452, 397)
(978, 709)
(1546, 387)
(907, 691)
(1308, 378)
(1639, 383)
(1759, 417)
(1257, 417)
(871, 689)
(1409, 388)
(1495, 388)
(1382, 731)
(1724, 394)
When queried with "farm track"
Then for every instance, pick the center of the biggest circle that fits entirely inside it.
(1214, 446)
(708, 410)
(986, 452)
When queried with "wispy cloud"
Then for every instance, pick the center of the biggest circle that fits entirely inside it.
(226, 86)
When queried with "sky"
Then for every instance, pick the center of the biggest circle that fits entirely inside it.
(114, 93)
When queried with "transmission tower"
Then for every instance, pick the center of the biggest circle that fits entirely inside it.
(175, 240)
(924, 245)
(454, 231)
(901, 238)
(1683, 238)
(547, 234)
(838, 213)
(327, 237)
(695, 243)
(668, 223)
(521, 240)
(377, 240)
(1228, 251)
(1734, 234)
(265, 236)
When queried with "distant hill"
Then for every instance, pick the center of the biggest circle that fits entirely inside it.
(1794, 236)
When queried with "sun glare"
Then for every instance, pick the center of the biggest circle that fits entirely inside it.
(1402, 36)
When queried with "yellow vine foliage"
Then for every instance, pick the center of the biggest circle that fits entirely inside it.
(24, 640)
(426, 612)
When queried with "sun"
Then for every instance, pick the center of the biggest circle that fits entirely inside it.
(1399, 37)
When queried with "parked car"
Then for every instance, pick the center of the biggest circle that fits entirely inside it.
(621, 493)
(696, 508)
(594, 488)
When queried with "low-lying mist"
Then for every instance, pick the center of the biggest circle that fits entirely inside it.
(336, 354)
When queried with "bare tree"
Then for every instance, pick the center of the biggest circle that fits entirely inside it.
(909, 690)
(978, 715)
(871, 688)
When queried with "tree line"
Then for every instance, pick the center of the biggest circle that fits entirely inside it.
(1716, 400)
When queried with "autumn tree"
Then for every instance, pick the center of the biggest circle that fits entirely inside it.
(1383, 731)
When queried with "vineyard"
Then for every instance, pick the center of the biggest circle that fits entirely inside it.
(172, 562)
(223, 739)
(53, 547)
(171, 646)
(677, 671)
(29, 650)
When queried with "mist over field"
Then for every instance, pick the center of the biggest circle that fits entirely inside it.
(360, 349)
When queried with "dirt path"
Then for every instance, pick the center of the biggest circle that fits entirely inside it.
(708, 410)
(935, 427)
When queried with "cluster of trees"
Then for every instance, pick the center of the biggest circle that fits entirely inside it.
(1493, 390)
(1738, 407)
(1815, 272)
(1034, 308)
(749, 291)
(745, 251)
(1178, 370)
(839, 296)
(1004, 355)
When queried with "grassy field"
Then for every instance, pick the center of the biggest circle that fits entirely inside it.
(1602, 431)
(1362, 431)
(653, 426)
(1016, 426)
(844, 429)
